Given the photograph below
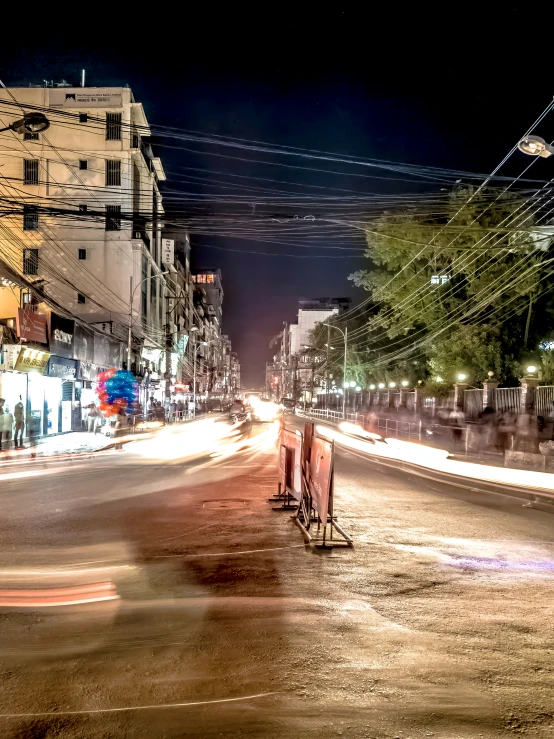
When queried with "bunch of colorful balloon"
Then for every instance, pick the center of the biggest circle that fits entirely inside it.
(116, 390)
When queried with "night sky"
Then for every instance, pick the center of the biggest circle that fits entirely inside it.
(453, 88)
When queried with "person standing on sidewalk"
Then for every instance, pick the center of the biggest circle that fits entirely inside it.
(2, 401)
(457, 421)
(19, 416)
(92, 418)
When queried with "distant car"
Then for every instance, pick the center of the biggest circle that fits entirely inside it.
(264, 411)
(287, 404)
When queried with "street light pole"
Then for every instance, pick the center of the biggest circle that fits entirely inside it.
(327, 362)
(345, 337)
(131, 298)
(194, 375)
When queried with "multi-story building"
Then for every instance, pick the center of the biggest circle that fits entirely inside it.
(310, 313)
(82, 239)
(294, 367)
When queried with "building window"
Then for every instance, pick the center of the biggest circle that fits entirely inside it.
(30, 261)
(113, 217)
(82, 253)
(135, 139)
(30, 171)
(81, 298)
(83, 208)
(30, 218)
(210, 278)
(83, 164)
(113, 126)
(28, 136)
(113, 172)
(83, 117)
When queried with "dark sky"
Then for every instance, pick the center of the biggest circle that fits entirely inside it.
(451, 88)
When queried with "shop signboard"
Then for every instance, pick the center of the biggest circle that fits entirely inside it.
(32, 360)
(76, 97)
(62, 367)
(83, 345)
(168, 251)
(87, 371)
(9, 355)
(31, 326)
(62, 336)
(101, 350)
(114, 354)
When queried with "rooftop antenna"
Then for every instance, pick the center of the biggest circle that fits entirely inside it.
(82, 78)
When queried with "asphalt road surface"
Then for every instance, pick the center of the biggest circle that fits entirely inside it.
(187, 606)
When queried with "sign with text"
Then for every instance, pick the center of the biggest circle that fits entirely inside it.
(62, 367)
(168, 251)
(32, 360)
(31, 326)
(86, 370)
(321, 471)
(9, 355)
(62, 336)
(76, 97)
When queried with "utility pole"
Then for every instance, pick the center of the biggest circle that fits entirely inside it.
(168, 348)
(194, 377)
(130, 324)
(294, 379)
(327, 368)
(344, 372)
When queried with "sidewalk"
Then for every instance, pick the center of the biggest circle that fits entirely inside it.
(432, 435)
(74, 442)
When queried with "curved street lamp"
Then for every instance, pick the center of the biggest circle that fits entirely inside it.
(535, 146)
(131, 299)
(345, 337)
(30, 123)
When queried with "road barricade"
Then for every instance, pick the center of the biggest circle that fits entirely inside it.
(306, 473)
(290, 469)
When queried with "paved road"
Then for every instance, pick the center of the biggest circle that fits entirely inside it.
(437, 623)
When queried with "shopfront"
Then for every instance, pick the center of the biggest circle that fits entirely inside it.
(59, 394)
(22, 381)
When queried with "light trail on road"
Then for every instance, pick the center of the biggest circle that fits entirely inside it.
(440, 460)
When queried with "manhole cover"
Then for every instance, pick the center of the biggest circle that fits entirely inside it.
(224, 504)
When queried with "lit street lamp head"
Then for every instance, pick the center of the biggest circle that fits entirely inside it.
(30, 123)
(535, 146)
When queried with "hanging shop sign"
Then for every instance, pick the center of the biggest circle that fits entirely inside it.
(62, 367)
(31, 326)
(168, 251)
(62, 336)
(32, 360)
(83, 345)
(9, 355)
